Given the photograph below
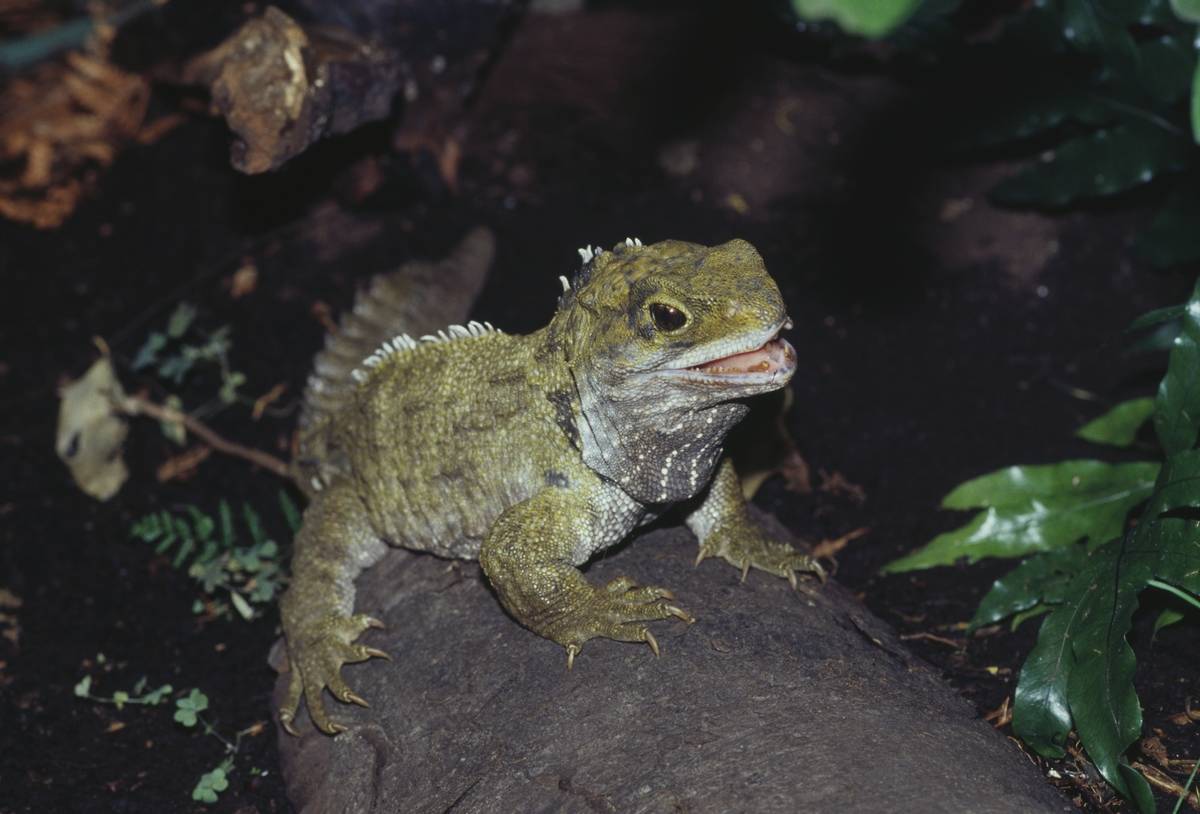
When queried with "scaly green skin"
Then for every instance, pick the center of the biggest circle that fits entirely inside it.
(531, 453)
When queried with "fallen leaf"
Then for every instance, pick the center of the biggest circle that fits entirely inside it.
(255, 729)
(91, 432)
(324, 315)
(1154, 749)
(183, 465)
(1002, 715)
(267, 399)
(244, 280)
(827, 548)
(836, 484)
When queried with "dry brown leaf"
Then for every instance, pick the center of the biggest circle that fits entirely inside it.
(324, 315)
(267, 399)
(244, 280)
(1001, 716)
(1154, 749)
(827, 548)
(183, 465)
(255, 729)
(835, 483)
(61, 121)
(91, 432)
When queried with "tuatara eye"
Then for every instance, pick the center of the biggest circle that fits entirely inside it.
(666, 317)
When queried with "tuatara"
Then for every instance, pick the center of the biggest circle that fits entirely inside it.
(531, 453)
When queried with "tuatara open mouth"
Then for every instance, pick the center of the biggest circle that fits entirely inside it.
(771, 361)
(776, 355)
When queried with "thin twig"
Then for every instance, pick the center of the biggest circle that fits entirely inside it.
(136, 405)
(957, 644)
(1165, 783)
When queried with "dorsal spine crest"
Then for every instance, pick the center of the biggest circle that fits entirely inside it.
(404, 343)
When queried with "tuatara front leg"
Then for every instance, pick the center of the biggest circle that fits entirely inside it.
(334, 545)
(530, 556)
(725, 529)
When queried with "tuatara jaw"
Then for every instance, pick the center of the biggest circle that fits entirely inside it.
(765, 363)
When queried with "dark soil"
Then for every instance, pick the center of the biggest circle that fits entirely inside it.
(939, 338)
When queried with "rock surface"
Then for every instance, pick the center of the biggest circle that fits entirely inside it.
(772, 701)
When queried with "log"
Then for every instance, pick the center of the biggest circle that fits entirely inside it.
(773, 701)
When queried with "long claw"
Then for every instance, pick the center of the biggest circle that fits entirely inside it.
(791, 577)
(650, 640)
(700, 557)
(355, 698)
(745, 568)
(571, 651)
(377, 653)
(375, 623)
(680, 613)
(337, 729)
(285, 720)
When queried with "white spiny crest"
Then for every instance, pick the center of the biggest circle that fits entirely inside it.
(633, 242)
(404, 342)
(566, 284)
(589, 253)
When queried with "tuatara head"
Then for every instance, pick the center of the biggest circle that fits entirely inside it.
(664, 342)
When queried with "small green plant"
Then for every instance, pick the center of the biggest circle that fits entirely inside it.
(249, 576)
(137, 695)
(1086, 560)
(182, 348)
(188, 709)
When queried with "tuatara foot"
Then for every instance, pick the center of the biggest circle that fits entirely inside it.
(316, 653)
(617, 610)
(748, 547)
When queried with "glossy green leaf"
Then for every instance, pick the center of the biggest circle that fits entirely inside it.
(1038, 112)
(1165, 66)
(1178, 485)
(1195, 106)
(1102, 163)
(1166, 618)
(1178, 544)
(871, 18)
(1173, 237)
(1187, 10)
(1119, 426)
(1100, 693)
(1041, 715)
(1123, 12)
(1039, 580)
(1037, 508)
(1159, 316)
(1177, 407)
(1025, 615)
(1092, 28)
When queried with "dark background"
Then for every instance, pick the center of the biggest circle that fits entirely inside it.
(939, 338)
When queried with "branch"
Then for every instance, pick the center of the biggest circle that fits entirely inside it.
(136, 405)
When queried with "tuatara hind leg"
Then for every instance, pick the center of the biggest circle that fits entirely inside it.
(527, 556)
(726, 530)
(333, 546)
